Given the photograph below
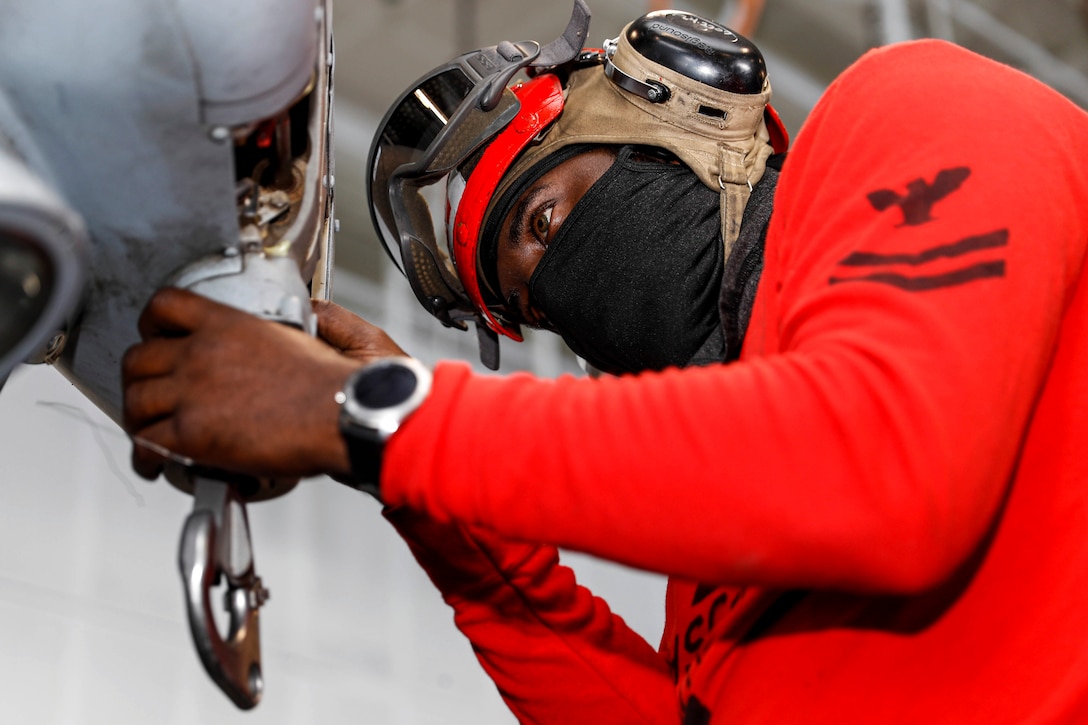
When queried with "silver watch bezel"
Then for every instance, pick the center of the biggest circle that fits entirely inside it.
(381, 423)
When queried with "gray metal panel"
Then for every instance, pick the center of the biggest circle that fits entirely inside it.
(254, 59)
(116, 102)
(31, 212)
(109, 93)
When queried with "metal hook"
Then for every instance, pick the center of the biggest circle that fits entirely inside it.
(215, 543)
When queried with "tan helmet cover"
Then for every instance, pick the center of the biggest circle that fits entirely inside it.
(721, 136)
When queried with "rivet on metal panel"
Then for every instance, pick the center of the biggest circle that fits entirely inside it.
(219, 134)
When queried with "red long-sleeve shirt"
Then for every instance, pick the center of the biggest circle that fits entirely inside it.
(878, 514)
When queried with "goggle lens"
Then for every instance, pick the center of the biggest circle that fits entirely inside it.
(415, 123)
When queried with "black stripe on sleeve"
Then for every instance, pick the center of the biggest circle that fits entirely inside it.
(956, 249)
(985, 270)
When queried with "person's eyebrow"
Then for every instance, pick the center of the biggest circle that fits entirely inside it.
(517, 224)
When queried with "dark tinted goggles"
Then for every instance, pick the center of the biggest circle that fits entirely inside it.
(434, 127)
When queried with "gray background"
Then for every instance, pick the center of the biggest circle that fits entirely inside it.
(91, 620)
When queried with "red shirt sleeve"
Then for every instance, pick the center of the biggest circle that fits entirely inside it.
(556, 653)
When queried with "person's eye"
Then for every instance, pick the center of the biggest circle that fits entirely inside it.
(542, 224)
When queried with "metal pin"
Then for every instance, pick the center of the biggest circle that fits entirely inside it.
(163, 451)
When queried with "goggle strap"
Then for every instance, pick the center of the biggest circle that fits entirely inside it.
(566, 47)
(489, 344)
(560, 51)
(498, 82)
(432, 290)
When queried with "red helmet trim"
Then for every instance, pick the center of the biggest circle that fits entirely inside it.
(780, 137)
(541, 103)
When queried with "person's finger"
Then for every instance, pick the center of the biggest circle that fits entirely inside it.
(172, 312)
(152, 447)
(322, 306)
(335, 325)
(152, 358)
(146, 402)
(351, 334)
(146, 463)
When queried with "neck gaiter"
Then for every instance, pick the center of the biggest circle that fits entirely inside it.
(631, 280)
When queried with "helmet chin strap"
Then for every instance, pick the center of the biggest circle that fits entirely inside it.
(734, 166)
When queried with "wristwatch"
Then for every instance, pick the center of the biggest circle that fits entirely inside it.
(375, 401)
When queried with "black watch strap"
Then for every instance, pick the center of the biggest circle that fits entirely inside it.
(365, 456)
(375, 401)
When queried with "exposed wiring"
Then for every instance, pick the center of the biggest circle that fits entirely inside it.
(98, 431)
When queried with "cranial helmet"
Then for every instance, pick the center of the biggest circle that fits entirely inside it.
(459, 138)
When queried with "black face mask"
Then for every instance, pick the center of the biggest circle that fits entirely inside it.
(632, 278)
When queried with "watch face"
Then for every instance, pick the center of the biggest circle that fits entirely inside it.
(384, 393)
(385, 387)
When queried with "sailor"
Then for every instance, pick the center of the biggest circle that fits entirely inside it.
(841, 401)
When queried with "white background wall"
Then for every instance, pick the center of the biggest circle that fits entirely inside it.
(92, 626)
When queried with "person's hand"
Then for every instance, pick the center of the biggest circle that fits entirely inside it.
(351, 335)
(234, 392)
